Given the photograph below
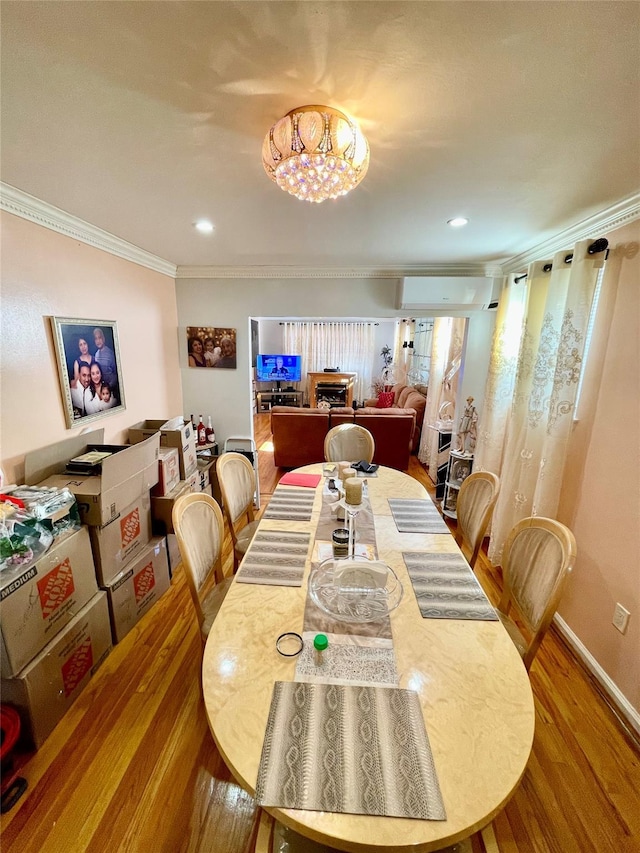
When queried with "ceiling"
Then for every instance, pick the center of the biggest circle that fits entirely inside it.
(142, 117)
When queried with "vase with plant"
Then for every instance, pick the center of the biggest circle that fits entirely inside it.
(380, 383)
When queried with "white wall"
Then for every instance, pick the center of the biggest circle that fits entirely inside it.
(600, 498)
(226, 394)
(476, 362)
(270, 336)
(48, 274)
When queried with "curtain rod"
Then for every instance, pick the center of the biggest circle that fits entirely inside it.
(595, 248)
(336, 322)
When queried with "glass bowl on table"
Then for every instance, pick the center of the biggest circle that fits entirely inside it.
(355, 589)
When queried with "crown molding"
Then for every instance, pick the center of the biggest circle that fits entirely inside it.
(20, 203)
(363, 272)
(15, 201)
(596, 226)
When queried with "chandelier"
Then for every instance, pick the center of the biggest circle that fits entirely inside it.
(315, 153)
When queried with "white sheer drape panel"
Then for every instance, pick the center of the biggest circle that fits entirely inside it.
(348, 346)
(446, 355)
(501, 377)
(401, 351)
(546, 381)
(418, 373)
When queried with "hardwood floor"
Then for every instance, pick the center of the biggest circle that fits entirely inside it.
(133, 767)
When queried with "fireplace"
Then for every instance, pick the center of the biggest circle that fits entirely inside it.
(333, 393)
(335, 388)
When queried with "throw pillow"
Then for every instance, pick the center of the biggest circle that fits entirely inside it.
(385, 400)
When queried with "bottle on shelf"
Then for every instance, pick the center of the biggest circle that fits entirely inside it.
(209, 432)
(194, 425)
(202, 432)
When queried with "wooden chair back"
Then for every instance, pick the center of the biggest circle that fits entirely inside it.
(199, 528)
(348, 443)
(476, 500)
(237, 480)
(538, 556)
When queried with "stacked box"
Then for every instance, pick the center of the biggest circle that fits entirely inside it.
(173, 553)
(168, 471)
(136, 588)
(120, 541)
(114, 503)
(130, 472)
(174, 433)
(162, 508)
(40, 599)
(47, 687)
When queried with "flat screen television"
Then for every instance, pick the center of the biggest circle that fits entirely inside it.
(279, 368)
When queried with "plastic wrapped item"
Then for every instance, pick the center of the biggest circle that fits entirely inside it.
(31, 518)
(23, 540)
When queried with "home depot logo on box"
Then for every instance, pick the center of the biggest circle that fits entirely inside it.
(144, 582)
(55, 587)
(78, 665)
(130, 527)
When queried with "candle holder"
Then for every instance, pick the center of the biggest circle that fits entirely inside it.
(352, 514)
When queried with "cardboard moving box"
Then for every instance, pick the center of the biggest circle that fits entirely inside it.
(130, 472)
(168, 471)
(120, 541)
(38, 601)
(161, 509)
(174, 433)
(137, 588)
(45, 689)
(173, 553)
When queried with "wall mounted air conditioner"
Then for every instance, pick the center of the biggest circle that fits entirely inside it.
(457, 293)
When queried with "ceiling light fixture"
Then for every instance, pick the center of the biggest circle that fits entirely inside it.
(315, 153)
(204, 226)
(458, 222)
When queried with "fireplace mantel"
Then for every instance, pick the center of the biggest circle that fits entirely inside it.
(345, 381)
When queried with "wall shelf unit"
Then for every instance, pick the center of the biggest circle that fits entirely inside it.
(459, 467)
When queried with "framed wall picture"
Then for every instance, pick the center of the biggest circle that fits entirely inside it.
(209, 346)
(88, 358)
(255, 342)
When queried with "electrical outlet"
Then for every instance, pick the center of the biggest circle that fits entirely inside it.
(621, 618)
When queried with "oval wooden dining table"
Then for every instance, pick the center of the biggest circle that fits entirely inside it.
(473, 689)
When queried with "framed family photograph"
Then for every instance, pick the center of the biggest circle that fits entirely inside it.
(209, 346)
(89, 368)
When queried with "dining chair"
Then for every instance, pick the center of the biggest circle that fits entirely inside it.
(237, 480)
(199, 528)
(348, 443)
(476, 499)
(538, 556)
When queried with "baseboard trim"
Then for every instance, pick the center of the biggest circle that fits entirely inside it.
(617, 698)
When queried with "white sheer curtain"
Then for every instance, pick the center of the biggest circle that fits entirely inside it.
(446, 358)
(349, 346)
(404, 333)
(501, 376)
(547, 373)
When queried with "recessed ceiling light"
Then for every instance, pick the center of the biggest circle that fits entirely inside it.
(458, 222)
(204, 226)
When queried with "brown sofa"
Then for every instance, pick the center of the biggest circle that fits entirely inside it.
(404, 397)
(298, 434)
